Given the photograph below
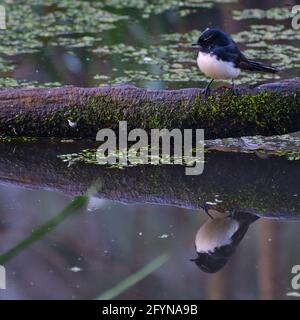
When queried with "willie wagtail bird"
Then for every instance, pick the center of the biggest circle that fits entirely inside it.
(217, 239)
(220, 58)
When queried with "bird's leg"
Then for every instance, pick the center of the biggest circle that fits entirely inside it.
(233, 88)
(205, 208)
(231, 214)
(207, 89)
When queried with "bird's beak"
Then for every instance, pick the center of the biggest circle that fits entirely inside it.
(195, 45)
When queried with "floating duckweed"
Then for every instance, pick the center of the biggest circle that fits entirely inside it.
(27, 26)
(7, 82)
(287, 145)
(92, 157)
(272, 13)
(31, 26)
(260, 32)
(158, 7)
(17, 139)
(161, 60)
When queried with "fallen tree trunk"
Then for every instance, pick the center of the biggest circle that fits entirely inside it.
(240, 181)
(267, 109)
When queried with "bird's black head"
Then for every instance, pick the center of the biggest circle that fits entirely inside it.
(210, 263)
(211, 38)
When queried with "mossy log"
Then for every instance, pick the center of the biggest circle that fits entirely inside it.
(242, 182)
(267, 109)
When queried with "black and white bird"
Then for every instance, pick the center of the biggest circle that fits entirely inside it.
(220, 58)
(217, 239)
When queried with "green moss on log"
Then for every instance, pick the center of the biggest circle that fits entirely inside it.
(45, 112)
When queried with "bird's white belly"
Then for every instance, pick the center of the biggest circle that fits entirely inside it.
(215, 234)
(216, 69)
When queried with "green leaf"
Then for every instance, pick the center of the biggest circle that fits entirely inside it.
(41, 231)
(134, 278)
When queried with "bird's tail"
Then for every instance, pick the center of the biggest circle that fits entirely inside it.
(256, 66)
(245, 217)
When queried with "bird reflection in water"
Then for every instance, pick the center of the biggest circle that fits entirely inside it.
(217, 239)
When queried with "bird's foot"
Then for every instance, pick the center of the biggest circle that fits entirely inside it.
(206, 208)
(231, 214)
(234, 90)
(207, 92)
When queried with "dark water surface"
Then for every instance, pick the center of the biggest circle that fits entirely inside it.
(140, 213)
(116, 240)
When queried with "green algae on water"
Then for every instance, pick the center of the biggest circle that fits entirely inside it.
(282, 13)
